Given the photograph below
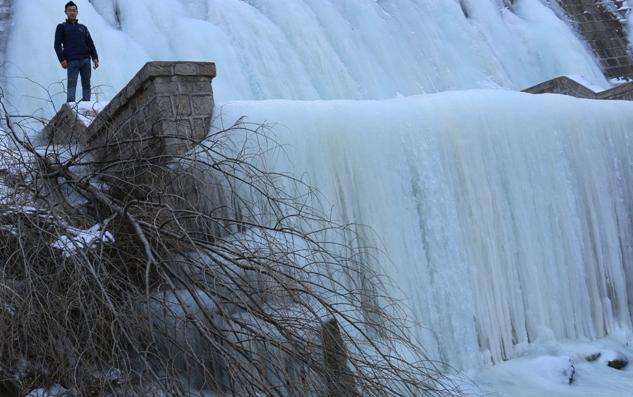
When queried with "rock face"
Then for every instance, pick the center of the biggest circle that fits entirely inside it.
(601, 24)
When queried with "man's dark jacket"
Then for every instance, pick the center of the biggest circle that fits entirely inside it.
(73, 42)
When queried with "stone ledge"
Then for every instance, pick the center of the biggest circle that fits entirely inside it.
(567, 86)
(562, 85)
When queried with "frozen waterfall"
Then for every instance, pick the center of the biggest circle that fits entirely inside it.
(506, 217)
(305, 49)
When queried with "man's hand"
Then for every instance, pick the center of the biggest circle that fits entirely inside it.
(96, 62)
(64, 64)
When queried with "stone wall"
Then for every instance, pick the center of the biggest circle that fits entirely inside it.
(566, 86)
(600, 23)
(621, 92)
(164, 110)
(562, 85)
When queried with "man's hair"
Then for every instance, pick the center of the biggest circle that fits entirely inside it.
(70, 4)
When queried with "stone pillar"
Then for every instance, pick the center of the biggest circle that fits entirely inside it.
(163, 111)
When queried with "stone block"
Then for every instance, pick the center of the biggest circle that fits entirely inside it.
(175, 128)
(207, 69)
(186, 69)
(202, 105)
(181, 105)
(162, 86)
(185, 86)
(160, 107)
(129, 93)
(202, 87)
(159, 69)
(135, 83)
(201, 127)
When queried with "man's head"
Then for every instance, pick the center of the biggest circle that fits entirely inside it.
(71, 10)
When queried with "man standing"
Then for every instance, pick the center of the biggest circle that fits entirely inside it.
(74, 48)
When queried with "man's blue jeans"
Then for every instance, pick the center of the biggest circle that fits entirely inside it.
(81, 66)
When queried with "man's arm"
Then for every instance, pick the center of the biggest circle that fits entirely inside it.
(59, 36)
(93, 49)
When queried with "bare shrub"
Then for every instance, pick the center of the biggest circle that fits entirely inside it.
(175, 275)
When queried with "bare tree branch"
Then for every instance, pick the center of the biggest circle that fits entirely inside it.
(203, 271)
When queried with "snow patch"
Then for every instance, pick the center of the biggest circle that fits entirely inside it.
(585, 82)
(87, 111)
(80, 239)
(53, 391)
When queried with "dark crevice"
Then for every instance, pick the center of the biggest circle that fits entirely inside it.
(465, 8)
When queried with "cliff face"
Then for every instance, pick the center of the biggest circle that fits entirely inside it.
(601, 24)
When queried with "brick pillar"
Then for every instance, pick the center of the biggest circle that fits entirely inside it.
(164, 110)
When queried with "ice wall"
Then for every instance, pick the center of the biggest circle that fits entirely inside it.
(306, 49)
(5, 28)
(507, 217)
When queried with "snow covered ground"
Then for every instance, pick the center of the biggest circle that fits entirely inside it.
(545, 370)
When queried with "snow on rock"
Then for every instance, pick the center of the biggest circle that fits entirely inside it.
(614, 359)
(80, 239)
(587, 83)
(53, 391)
(87, 111)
